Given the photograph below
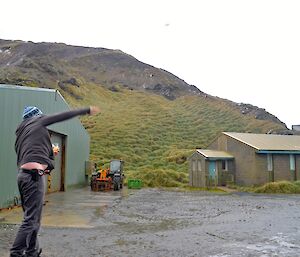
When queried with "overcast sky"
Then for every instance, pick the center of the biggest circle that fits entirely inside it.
(244, 51)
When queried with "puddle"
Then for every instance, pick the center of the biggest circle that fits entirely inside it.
(278, 245)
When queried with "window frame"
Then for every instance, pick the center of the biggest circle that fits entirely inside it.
(270, 162)
(292, 162)
(224, 164)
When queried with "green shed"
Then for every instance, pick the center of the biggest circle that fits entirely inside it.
(70, 136)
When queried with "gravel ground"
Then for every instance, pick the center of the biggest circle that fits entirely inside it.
(153, 222)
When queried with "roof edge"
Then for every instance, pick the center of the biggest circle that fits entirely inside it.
(214, 157)
(9, 86)
(227, 134)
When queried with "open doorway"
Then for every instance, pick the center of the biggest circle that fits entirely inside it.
(56, 180)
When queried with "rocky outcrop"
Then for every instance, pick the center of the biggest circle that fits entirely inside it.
(258, 113)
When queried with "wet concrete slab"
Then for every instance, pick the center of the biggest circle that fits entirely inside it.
(74, 208)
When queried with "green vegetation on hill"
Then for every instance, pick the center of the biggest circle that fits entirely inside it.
(154, 136)
(139, 123)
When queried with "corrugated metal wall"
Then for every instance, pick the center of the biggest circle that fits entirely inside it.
(12, 102)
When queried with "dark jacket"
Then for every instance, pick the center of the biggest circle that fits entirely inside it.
(33, 139)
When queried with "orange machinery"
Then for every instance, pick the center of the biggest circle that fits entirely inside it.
(101, 181)
(108, 179)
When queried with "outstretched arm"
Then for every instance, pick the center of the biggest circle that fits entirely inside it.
(58, 117)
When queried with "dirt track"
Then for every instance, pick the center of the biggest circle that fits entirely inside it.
(152, 222)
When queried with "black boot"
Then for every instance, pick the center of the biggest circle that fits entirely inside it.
(40, 251)
(38, 254)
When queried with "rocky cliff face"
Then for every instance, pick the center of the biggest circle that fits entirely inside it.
(52, 65)
(258, 113)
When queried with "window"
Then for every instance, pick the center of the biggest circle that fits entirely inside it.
(270, 162)
(225, 165)
(199, 165)
(292, 162)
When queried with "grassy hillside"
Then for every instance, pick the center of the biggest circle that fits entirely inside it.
(139, 122)
(154, 135)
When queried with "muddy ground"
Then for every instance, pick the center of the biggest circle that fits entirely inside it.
(153, 222)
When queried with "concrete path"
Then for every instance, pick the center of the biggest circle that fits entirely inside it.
(74, 208)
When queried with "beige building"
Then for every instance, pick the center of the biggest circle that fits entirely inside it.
(246, 159)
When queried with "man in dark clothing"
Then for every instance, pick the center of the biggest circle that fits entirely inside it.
(35, 158)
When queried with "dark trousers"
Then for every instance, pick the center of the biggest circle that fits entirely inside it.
(31, 187)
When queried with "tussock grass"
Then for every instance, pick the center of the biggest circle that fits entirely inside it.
(158, 177)
(297, 183)
(283, 187)
(155, 136)
(279, 187)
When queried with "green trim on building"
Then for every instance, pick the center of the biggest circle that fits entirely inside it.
(277, 152)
